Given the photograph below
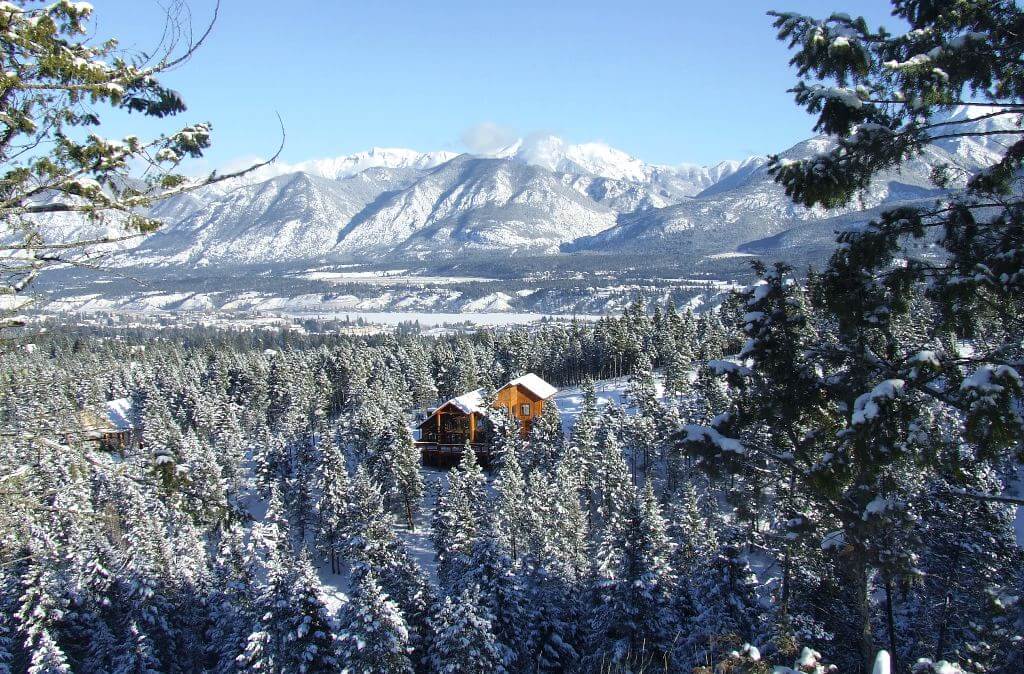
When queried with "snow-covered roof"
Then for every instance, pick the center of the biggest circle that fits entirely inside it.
(473, 402)
(534, 385)
(110, 417)
(119, 413)
(469, 402)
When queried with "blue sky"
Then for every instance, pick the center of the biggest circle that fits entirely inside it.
(667, 81)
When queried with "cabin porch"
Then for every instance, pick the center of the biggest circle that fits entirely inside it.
(447, 455)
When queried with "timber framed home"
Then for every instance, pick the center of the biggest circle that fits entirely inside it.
(466, 419)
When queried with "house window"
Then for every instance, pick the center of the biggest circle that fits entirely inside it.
(524, 409)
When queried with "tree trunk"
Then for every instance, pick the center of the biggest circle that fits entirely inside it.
(786, 563)
(408, 514)
(940, 646)
(862, 609)
(891, 624)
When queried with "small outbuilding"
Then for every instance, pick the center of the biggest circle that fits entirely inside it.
(108, 426)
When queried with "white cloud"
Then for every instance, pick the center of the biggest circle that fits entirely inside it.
(487, 137)
(239, 163)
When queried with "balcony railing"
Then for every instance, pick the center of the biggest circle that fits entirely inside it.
(449, 454)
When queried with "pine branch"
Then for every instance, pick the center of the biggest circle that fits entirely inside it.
(996, 498)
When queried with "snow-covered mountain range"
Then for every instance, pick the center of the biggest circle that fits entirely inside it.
(539, 196)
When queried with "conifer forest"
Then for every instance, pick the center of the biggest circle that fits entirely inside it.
(819, 472)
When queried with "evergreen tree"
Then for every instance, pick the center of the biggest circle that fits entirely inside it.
(678, 365)
(371, 543)
(490, 573)
(456, 522)
(546, 442)
(614, 485)
(58, 88)
(511, 517)
(232, 604)
(293, 629)
(885, 98)
(408, 479)
(463, 642)
(632, 625)
(728, 610)
(333, 504)
(553, 620)
(42, 609)
(374, 638)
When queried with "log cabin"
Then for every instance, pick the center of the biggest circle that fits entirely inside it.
(108, 426)
(444, 434)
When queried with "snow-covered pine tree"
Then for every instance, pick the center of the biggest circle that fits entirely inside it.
(42, 609)
(293, 630)
(369, 536)
(373, 638)
(462, 641)
(232, 602)
(511, 515)
(145, 615)
(332, 504)
(613, 482)
(712, 394)
(968, 559)
(7, 629)
(417, 372)
(271, 537)
(59, 87)
(581, 456)
(632, 624)
(490, 573)
(678, 365)
(886, 97)
(642, 436)
(408, 478)
(729, 612)
(695, 543)
(457, 519)
(371, 543)
(547, 441)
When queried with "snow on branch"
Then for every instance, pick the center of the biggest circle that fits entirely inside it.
(868, 405)
(695, 433)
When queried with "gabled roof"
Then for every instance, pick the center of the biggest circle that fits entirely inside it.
(534, 385)
(469, 402)
(110, 417)
(473, 402)
(119, 413)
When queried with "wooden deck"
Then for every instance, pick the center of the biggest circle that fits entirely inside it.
(441, 455)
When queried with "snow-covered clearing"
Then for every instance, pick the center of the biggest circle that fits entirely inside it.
(570, 400)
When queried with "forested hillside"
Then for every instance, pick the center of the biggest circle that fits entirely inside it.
(276, 467)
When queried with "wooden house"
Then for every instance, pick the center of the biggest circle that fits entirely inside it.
(108, 426)
(443, 435)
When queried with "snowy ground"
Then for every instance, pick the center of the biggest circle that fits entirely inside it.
(570, 400)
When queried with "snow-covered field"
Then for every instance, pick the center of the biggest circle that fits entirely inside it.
(438, 319)
(391, 277)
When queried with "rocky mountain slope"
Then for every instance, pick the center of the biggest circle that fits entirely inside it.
(537, 197)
